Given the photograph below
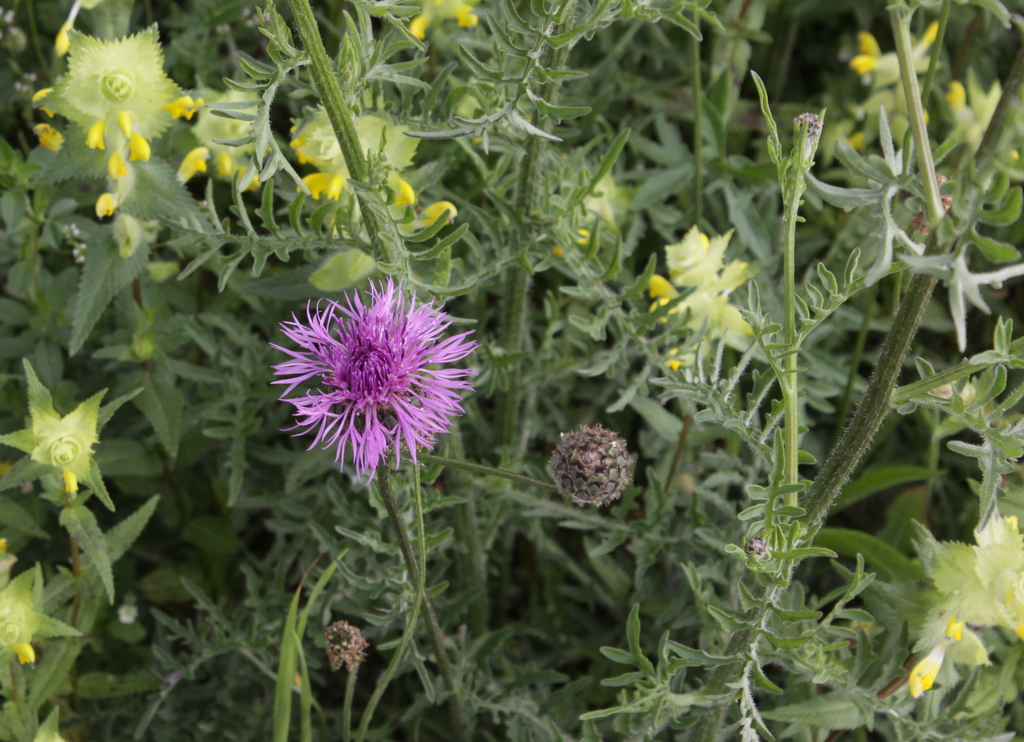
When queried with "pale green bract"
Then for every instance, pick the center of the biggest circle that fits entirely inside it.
(106, 78)
(20, 622)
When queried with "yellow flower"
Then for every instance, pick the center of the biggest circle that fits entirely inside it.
(320, 182)
(63, 41)
(857, 141)
(433, 212)
(957, 95)
(418, 27)
(869, 55)
(105, 205)
(124, 123)
(184, 107)
(406, 195)
(923, 675)
(3, 546)
(115, 165)
(70, 482)
(94, 139)
(49, 137)
(194, 162)
(25, 653)
(38, 96)
(138, 148)
(466, 17)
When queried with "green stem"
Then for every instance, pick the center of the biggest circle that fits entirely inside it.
(900, 16)
(792, 191)
(384, 484)
(698, 138)
(343, 122)
(933, 60)
(429, 458)
(419, 577)
(528, 191)
(346, 713)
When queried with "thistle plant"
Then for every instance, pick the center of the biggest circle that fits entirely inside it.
(564, 370)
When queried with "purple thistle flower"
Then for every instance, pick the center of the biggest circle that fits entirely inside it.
(373, 361)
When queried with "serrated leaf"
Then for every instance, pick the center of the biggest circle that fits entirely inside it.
(120, 538)
(81, 524)
(104, 275)
(161, 403)
(94, 685)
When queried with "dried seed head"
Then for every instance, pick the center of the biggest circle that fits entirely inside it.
(813, 122)
(757, 545)
(345, 645)
(591, 465)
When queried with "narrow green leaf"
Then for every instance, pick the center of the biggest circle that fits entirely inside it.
(81, 524)
(878, 554)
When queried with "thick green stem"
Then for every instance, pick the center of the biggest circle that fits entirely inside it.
(900, 16)
(429, 458)
(418, 575)
(384, 483)
(528, 191)
(933, 60)
(343, 122)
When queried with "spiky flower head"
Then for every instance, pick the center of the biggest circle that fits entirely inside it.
(345, 645)
(373, 364)
(591, 465)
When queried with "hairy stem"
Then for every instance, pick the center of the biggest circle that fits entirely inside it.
(528, 191)
(900, 16)
(469, 533)
(698, 137)
(346, 712)
(343, 122)
(429, 458)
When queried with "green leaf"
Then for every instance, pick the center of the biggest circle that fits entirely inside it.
(124, 534)
(161, 403)
(878, 554)
(699, 656)
(878, 480)
(830, 711)
(633, 637)
(16, 517)
(81, 524)
(761, 681)
(343, 270)
(105, 274)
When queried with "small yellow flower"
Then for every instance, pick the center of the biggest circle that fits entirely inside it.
(63, 41)
(955, 629)
(406, 195)
(25, 653)
(49, 137)
(4, 546)
(225, 165)
(115, 165)
(584, 236)
(660, 288)
(94, 139)
(105, 205)
(923, 675)
(466, 17)
(194, 162)
(857, 141)
(38, 96)
(138, 148)
(556, 250)
(320, 182)
(70, 482)
(433, 212)
(184, 107)
(870, 52)
(957, 96)
(418, 27)
(124, 123)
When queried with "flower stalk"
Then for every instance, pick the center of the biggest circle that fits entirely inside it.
(383, 235)
(491, 471)
(531, 177)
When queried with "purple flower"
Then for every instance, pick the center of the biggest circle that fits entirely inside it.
(378, 390)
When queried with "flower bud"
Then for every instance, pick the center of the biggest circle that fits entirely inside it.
(345, 645)
(591, 465)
